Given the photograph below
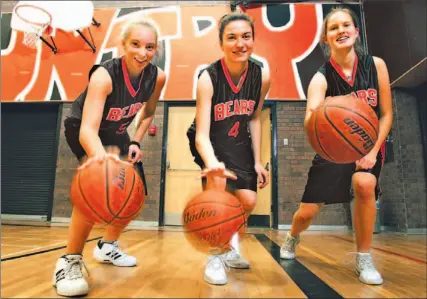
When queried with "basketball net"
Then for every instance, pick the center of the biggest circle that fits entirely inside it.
(36, 20)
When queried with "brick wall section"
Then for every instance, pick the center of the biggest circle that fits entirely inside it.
(294, 161)
(152, 160)
(403, 180)
(152, 150)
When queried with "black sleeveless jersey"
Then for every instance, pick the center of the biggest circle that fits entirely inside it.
(233, 106)
(232, 109)
(363, 83)
(124, 102)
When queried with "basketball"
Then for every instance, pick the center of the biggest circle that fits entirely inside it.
(211, 218)
(108, 191)
(343, 129)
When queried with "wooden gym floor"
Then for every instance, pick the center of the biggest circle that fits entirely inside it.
(169, 267)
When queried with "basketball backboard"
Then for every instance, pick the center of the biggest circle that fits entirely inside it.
(38, 18)
(65, 15)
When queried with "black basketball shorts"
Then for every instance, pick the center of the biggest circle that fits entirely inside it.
(245, 179)
(330, 183)
(72, 133)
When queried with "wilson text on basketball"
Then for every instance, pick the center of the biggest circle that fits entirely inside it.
(357, 129)
(202, 214)
(119, 179)
(211, 237)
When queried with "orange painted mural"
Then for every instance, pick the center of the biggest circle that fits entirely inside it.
(286, 42)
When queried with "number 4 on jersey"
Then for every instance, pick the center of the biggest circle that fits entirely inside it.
(234, 131)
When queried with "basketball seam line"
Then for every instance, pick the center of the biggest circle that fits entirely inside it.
(214, 202)
(116, 215)
(87, 202)
(244, 222)
(342, 135)
(218, 223)
(355, 112)
(142, 203)
(107, 195)
(318, 141)
(227, 242)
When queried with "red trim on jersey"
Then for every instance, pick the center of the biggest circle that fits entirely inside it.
(127, 79)
(235, 88)
(341, 73)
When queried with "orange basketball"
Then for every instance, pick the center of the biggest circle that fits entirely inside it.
(343, 129)
(211, 218)
(108, 192)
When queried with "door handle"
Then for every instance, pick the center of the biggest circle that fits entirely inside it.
(267, 166)
(168, 166)
(183, 169)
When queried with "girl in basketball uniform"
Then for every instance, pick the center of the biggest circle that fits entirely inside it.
(99, 117)
(347, 71)
(225, 137)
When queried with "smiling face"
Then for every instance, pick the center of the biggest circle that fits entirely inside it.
(340, 31)
(237, 41)
(140, 47)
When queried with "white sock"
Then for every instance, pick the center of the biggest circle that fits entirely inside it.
(235, 242)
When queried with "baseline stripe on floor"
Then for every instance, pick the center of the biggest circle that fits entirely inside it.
(387, 251)
(311, 285)
(48, 250)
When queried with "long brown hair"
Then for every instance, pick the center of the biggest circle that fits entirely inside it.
(358, 47)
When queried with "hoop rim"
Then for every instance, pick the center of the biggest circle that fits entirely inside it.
(43, 25)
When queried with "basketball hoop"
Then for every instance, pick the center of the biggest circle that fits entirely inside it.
(36, 20)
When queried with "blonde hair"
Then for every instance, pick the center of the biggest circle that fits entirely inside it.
(129, 26)
(358, 47)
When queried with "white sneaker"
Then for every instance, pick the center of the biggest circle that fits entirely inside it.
(111, 253)
(234, 260)
(366, 270)
(287, 251)
(215, 270)
(68, 278)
